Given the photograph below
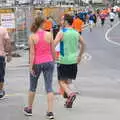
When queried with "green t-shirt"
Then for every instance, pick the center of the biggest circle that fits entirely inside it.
(69, 46)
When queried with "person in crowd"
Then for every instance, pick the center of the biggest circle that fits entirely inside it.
(42, 56)
(119, 14)
(69, 58)
(112, 17)
(91, 21)
(48, 24)
(5, 50)
(78, 24)
(102, 18)
(95, 18)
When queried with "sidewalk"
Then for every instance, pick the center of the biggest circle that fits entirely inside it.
(19, 61)
(85, 108)
(17, 83)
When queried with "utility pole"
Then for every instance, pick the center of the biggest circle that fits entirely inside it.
(113, 2)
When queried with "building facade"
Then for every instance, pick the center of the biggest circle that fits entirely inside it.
(93, 1)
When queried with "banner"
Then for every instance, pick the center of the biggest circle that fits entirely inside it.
(8, 20)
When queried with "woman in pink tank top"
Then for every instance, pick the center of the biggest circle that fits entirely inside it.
(42, 55)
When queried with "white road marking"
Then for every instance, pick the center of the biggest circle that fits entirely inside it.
(108, 31)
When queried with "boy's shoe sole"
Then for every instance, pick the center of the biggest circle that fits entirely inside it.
(27, 114)
(50, 118)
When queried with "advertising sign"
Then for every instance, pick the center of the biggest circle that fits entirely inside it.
(8, 20)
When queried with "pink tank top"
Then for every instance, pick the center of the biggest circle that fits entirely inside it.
(43, 52)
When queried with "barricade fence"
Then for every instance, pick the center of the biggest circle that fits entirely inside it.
(19, 19)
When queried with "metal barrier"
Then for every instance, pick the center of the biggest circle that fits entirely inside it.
(21, 18)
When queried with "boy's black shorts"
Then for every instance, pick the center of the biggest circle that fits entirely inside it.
(66, 72)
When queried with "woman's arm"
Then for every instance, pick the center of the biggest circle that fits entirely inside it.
(52, 47)
(32, 52)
